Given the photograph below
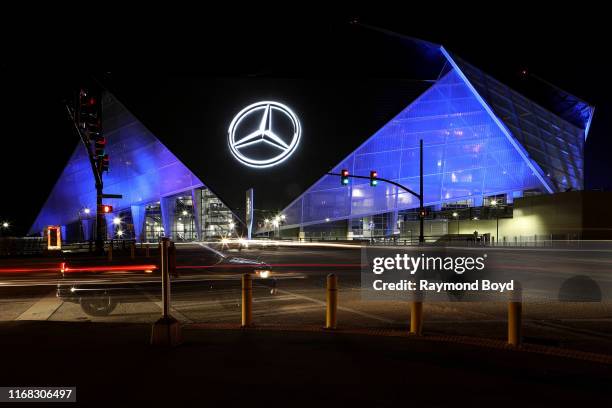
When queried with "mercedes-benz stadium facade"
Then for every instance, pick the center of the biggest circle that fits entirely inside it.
(183, 172)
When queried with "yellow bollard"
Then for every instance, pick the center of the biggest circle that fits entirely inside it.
(133, 250)
(110, 251)
(515, 316)
(416, 318)
(515, 311)
(247, 300)
(331, 315)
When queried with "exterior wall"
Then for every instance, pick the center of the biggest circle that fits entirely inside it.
(142, 169)
(553, 143)
(467, 156)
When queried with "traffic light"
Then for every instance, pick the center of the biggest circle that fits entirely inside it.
(90, 113)
(104, 162)
(99, 146)
(373, 178)
(106, 209)
(344, 178)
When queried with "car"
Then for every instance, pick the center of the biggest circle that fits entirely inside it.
(99, 288)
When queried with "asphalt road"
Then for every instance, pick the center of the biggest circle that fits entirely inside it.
(295, 295)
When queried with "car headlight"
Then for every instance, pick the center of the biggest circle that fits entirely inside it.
(262, 273)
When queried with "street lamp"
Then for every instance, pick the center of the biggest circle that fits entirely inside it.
(119, 233)
(86, 211)
(494, 205)
(116, 220)
(5, 224)
(456, 216)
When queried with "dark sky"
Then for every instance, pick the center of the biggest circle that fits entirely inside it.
(37, 73)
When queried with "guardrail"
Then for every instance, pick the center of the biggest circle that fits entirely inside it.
(15, 246)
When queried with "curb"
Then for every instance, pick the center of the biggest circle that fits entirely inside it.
(464, 340)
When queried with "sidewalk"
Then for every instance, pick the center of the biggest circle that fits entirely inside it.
(113, 363)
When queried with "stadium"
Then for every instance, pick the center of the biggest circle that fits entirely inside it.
(496, 158)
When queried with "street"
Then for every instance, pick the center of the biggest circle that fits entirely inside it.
(294, 296)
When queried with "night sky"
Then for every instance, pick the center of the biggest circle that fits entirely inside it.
(567, 49)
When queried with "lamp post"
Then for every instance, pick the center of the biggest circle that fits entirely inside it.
(493, 204)
(456, 216)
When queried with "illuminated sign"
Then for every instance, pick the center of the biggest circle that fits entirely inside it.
(54, 238)
(264, 134)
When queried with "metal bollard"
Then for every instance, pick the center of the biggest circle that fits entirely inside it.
(163, 258)
(247, 300)
(515, 316)
(331, 315)
(167, 330)
(172, 260)
(416, 318)
(110, 251)
(133, 250)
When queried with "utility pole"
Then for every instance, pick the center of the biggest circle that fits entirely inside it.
(421, 208)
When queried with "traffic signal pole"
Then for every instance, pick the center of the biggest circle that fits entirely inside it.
(100, 231)
(421, 207)
(406, 189)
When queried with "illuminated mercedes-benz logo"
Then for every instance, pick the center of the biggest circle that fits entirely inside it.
(264, 134)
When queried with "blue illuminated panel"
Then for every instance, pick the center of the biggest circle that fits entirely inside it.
(554, 143)
(467, 155)
(141, 168)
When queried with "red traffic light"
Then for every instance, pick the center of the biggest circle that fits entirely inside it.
(99, 144)
(373, 178)
(106, 209)
(344, 177)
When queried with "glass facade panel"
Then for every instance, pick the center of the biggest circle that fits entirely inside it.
(466, 156)
(142, 169)
(555, 144)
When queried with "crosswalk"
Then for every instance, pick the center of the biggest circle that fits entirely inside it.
(42, 309)
(215, 305)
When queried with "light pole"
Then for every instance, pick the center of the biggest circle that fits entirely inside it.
(493, 204)
(456, 216)
(117, 224)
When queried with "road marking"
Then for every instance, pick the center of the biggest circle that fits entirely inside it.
(345, 309)
(43, 309)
